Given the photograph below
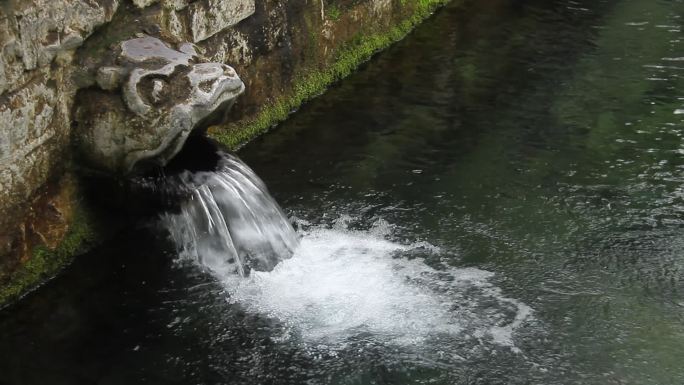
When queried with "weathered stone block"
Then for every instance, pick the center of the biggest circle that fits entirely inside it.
(209, 17)
(25, 128)
(37, 31)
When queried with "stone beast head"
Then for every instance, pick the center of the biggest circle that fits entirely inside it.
(147, 103)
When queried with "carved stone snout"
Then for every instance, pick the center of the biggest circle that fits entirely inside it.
(147, 103)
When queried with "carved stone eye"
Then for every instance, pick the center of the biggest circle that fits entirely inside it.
(207, 85)
(153, 90)
(157, 88)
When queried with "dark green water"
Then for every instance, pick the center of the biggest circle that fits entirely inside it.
(541, 141)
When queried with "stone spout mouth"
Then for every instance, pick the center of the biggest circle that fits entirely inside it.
(217, 87)
(214, 82)
(229, 89)
(152, 97)
(213, 95)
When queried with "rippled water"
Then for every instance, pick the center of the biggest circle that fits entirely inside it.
(495, 200)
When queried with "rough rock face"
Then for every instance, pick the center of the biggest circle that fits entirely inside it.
(38, 40)
(194, 20)
(75, 74)
(164, 94)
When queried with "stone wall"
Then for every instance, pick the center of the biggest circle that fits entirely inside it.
(38, 40)
(285, 51)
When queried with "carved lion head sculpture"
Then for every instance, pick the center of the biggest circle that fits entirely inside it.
(147, 103)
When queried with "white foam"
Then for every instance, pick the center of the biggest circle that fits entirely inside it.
(341, 285)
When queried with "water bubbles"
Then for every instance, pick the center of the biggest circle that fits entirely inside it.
(342, 286)
(336, 286)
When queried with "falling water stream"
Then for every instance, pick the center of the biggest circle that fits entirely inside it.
(229, 223)
(329, 285)
(496, 199)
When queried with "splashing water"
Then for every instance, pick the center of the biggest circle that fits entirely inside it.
(230, 223)
(334, 285)
(342, 284)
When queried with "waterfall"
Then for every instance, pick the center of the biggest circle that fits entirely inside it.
(228, 222)
(337, 285)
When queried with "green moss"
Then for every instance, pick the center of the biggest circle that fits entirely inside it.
(333, 12)
(45, 263)
(316, 82)
(312, 46)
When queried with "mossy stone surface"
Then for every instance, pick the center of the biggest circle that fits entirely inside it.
(46, 262)
(313, 82)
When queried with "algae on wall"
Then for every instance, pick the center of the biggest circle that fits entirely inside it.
(75, 229)
(337, 44)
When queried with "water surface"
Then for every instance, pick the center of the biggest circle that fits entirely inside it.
(497, 199)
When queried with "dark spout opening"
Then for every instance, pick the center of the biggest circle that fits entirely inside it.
(153, 189)
(163, 188)
(199, 153)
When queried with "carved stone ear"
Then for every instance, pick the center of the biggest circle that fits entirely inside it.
(110, 78)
